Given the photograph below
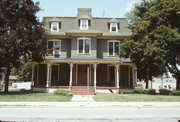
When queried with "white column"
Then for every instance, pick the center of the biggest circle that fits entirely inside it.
(48, 82)
(32, 75)
(37, 80)
(95, 82)
(134, 74)
(117, 75)
(70, 82)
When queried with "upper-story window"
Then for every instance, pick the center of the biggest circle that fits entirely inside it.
(113, 48)
(54, 26)
(54, 48)
(84, 45)
(84, 23)
(113, 27)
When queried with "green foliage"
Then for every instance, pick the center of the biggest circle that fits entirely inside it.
(155, 41)
(24, 71)
(62, 92)
(176, 93)
(140, 91)
(164, 92)
(151, 91)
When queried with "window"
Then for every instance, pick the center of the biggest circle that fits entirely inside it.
(84, 24)
(113, 48)
(84, 45)
(113, 27)
(54, 48)
(54, 26)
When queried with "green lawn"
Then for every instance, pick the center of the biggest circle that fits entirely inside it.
(28, 96)
(135, 98)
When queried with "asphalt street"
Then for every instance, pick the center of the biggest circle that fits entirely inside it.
(90, 114)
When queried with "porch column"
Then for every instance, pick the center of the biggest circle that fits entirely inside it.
(95, 82)
(32, 76)
(117, 75)
(70, 82)
(48, 82)
(134, 74)
(37, 74)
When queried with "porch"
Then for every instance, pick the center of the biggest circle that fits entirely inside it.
(104, 76)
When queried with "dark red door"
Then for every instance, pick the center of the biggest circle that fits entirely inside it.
(82, 75)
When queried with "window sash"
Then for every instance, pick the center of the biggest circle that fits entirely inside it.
(113, 48)
(54, 26)
(84, 46)
(54, 46)
(84, 24)
(114, 27)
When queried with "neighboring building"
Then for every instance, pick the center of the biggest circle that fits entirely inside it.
(82, 49)
(159, 83)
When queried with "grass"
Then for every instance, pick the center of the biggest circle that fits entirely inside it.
(28, 96)
(135, 98)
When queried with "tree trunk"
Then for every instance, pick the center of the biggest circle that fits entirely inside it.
(147, 79)
(7, 73)
(178, 81)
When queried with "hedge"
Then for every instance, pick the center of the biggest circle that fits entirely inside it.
(62, 92)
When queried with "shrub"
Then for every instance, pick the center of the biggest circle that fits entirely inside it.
(151, 91)
(177, 93)
(140, 91)
(62, 92)
(164, 92)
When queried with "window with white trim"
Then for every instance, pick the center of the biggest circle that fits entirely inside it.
(113, 27)
(54, 48)
(113, 48)
(84, 24)
(84, 45)
(54, 26)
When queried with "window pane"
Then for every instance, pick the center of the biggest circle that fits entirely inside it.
(80, 46)
(110, 48)
(87, 46)
(117, 48)
(84, 23)
(57, 45)
(113, 26)
(54, 26)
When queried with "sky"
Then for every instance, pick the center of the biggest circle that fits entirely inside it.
(100, 8)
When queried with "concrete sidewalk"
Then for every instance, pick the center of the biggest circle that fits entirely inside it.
(92, 104)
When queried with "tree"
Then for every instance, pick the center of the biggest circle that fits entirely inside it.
(21, 34)
(155, 41)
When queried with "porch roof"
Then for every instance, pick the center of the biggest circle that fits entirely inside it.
(87, 60)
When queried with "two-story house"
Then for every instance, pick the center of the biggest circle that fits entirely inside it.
(84, 50)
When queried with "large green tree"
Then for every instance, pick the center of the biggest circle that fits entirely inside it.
(155, 41)
(21, 34)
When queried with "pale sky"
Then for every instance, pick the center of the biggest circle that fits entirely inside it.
(110, 8)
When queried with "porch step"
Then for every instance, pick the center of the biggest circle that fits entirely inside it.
(82, 90)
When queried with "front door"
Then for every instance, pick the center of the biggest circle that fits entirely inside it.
(82, 75)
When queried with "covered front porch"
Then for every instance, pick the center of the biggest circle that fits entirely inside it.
(101, 76)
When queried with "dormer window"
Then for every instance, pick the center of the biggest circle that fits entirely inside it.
(113, 27)
(54, 26)
(84, 24)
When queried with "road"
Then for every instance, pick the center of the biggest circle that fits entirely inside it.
(90, 114)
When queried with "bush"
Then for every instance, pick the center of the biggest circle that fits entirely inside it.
(140, 91)
(164, 92)
(62, 92)
(151, 91)
(177, 93)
